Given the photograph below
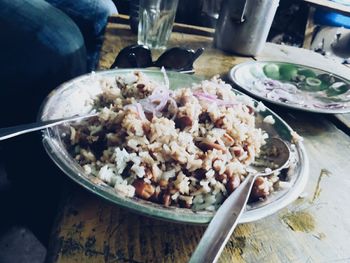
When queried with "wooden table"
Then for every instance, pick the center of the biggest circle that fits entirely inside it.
(315, 228)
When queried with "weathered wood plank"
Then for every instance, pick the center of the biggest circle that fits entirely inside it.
(345, 120)
(309, 29)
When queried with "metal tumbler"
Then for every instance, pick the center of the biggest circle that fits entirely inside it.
(243, 25)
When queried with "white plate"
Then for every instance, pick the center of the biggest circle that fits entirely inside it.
(287, 86)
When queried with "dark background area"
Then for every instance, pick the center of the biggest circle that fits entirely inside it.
(288, 26)
(28, 239)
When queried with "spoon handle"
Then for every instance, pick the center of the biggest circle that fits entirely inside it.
(222, 225)
(9, 132)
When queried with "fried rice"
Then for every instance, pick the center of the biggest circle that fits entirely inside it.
(189, 147)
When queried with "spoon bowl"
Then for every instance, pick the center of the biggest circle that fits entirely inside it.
(274, 157)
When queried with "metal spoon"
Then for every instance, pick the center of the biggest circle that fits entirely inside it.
(9, 132)
(226, 218)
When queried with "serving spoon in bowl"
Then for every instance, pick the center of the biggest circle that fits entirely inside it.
(9, 132)
(277, 155)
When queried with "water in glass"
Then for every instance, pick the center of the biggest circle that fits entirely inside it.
(155, 25)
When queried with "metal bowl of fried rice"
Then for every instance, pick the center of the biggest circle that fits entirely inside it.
(169, 145)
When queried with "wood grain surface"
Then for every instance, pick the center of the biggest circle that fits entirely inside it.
(315, 228)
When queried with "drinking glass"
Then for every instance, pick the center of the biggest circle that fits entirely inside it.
(156, 18)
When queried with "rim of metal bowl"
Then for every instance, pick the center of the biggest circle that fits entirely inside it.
(54, 147)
